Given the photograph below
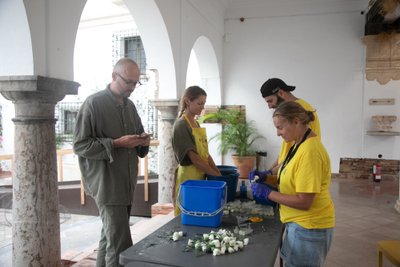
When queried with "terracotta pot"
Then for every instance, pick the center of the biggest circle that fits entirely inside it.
(244, 164)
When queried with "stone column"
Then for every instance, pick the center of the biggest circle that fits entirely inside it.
(397, 205)
(168, 111)
(36, 223)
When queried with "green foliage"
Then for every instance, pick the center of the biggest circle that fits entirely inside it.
(63, 139)
(60, 140)
(237, 135)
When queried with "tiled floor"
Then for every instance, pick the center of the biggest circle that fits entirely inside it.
(365, 214)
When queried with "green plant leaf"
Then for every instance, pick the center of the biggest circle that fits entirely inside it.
(237, 135)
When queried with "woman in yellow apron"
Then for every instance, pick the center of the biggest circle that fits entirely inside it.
(189, 141)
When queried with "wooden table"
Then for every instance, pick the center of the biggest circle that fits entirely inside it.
(157, 250)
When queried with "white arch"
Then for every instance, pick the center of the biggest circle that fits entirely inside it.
(16, 46)
(209, 79)
(208, 68)
(156, 42)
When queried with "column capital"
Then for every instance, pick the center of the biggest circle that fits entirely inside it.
(34, 87)
(35, 97)
(168, 108)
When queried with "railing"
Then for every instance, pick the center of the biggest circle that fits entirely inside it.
(62, 152)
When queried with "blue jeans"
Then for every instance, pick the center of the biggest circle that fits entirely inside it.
(305, 247)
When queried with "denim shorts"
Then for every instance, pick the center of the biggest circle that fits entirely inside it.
(305, 247)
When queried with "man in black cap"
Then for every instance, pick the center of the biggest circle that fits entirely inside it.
(275, 91)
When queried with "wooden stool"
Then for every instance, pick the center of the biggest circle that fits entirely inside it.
(391, 250)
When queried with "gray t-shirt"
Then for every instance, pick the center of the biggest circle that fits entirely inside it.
(182, 141)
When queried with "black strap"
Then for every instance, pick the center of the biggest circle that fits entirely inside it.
(292, 152)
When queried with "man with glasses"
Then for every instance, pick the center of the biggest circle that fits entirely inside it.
(108, 139)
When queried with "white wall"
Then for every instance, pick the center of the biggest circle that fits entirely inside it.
(186, 21)
(93, 45)
(322, 54)
(14, 40)
(387, 146)
(8, 113)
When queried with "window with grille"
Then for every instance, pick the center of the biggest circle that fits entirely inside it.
(133, 48)
(69, 121)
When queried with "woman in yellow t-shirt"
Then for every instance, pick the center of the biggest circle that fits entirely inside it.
(304, 177)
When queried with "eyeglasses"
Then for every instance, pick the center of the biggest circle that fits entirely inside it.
(130, 82)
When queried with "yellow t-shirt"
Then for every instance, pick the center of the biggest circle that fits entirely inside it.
(314, 125)
(309, 171)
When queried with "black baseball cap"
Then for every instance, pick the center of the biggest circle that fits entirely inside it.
(272, 86)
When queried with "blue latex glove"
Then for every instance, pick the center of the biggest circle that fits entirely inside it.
(262, 175)
(260, 191)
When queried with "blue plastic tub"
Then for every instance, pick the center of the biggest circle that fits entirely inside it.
(226, 169)
(202, 202)
(231, 180)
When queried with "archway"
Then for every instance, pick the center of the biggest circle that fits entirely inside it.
(203, 71)
(207, 67)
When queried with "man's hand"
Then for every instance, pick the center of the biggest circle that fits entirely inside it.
(132, 141)
(146, 138)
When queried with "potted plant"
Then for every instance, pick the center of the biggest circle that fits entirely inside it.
(237, 136)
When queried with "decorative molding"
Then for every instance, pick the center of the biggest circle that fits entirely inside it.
(383, 133)
(383, 57)
(384, 123)
(382, 101)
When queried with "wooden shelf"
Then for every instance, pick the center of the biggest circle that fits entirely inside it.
(383, 133)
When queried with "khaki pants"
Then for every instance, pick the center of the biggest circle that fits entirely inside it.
(115, 234)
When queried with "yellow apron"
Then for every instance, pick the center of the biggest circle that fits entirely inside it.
(192, 172)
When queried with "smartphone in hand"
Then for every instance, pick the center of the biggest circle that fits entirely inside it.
(145, 135)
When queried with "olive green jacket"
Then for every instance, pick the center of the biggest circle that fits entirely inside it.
(109, 174)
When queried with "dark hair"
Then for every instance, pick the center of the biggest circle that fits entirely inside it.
(291, 110)
(191, 93)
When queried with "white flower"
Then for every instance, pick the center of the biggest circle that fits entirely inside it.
(223, 249)
(222, 232)
(216, 252)
(216, 243)
(175, 236)
(197, 245)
